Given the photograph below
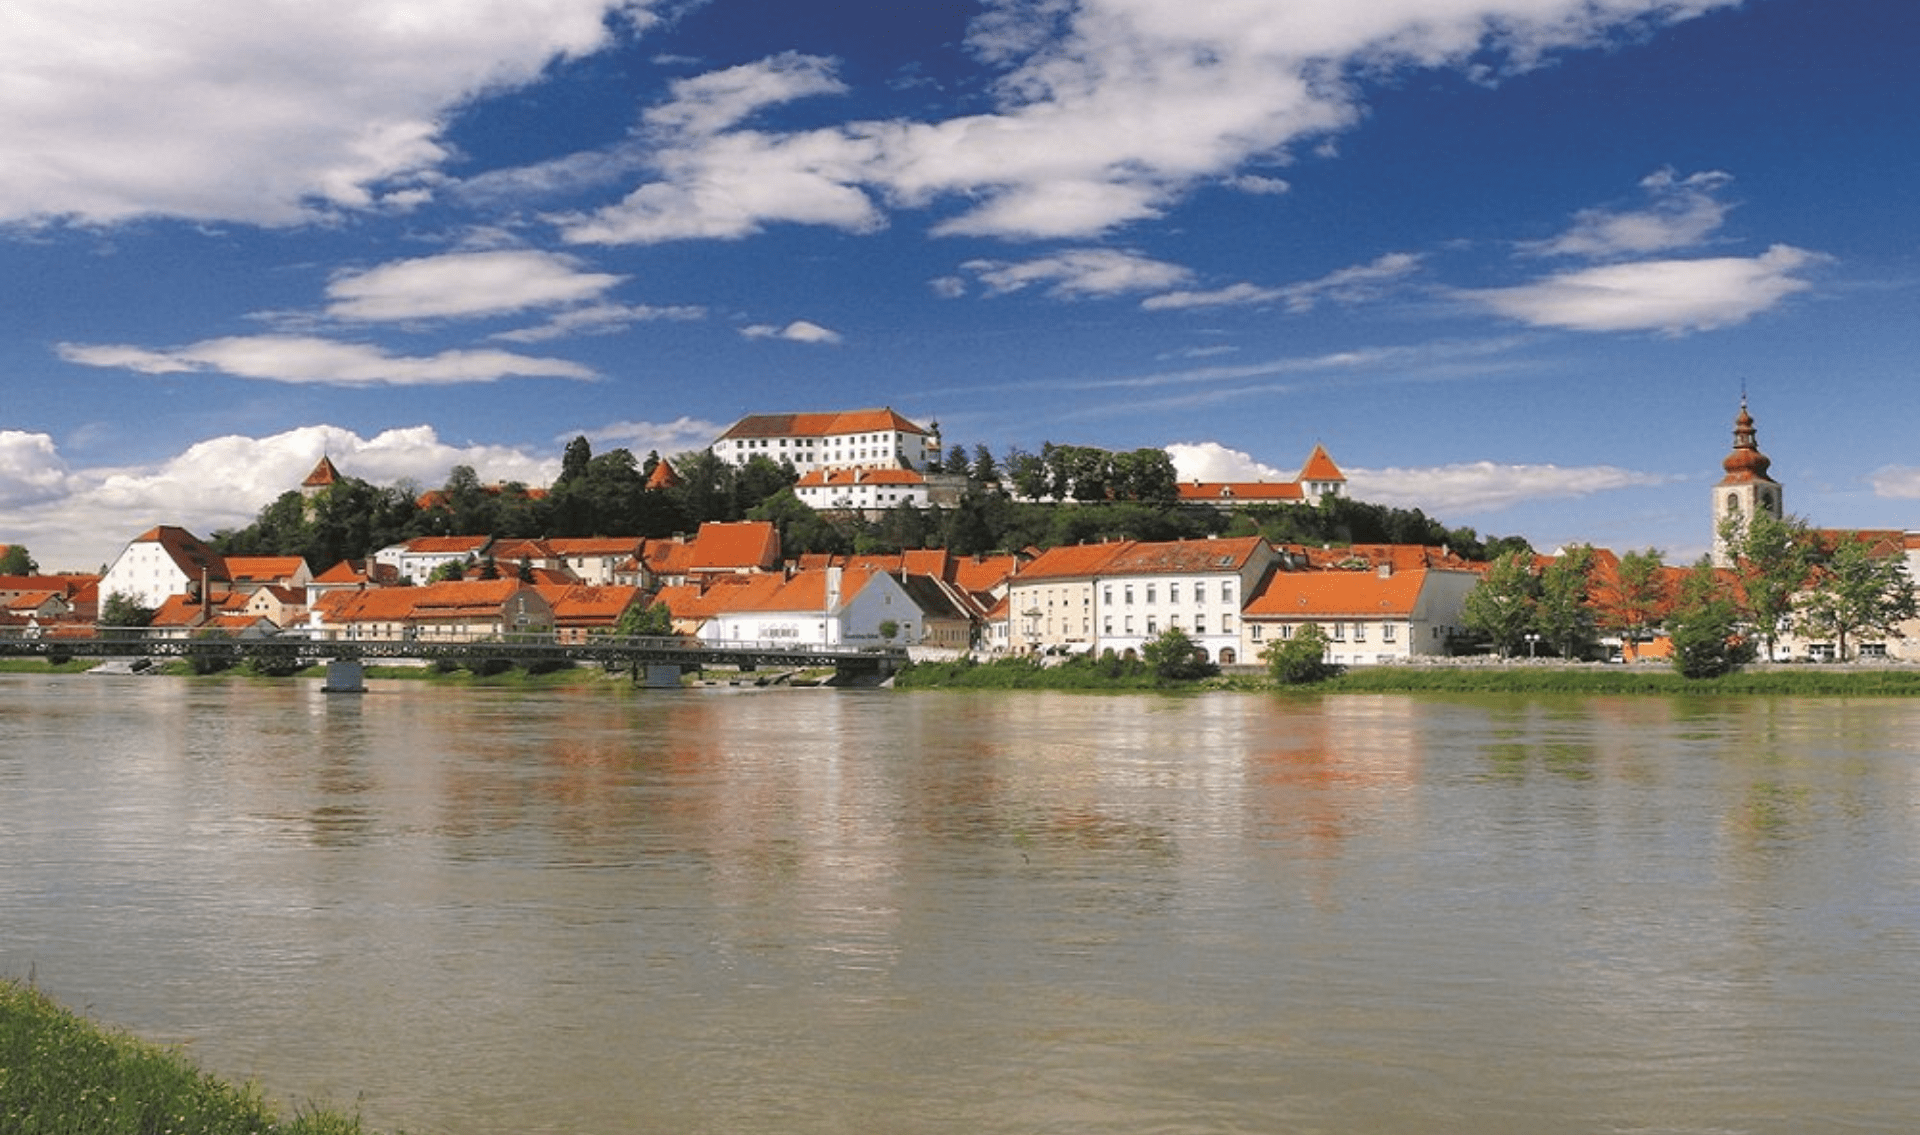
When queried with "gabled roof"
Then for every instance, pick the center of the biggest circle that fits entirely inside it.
(1320, 467)
(838, 478)
(188, 553)
(323, 475)
(806, 592)
(663, 476)
(1336, 594)
(513, 551)
(593, 545)
(446, 545)
(883, 420)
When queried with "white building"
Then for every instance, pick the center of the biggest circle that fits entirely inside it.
(823, 607)
(160, 562)
(854, 439)
(1368, 617)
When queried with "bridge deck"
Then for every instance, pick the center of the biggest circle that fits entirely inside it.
(611, 650)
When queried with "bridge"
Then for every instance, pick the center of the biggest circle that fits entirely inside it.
(290, 651)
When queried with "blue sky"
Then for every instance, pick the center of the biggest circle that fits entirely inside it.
(1512, 261)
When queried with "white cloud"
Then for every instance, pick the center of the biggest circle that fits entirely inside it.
(96, 511)
(463, 285)
(1671, 296)
(1357, 284)
(30, 470)
(1211, 461)
(1259, 185)
(1899, 482)
(1683, 213)
(601, 319)
(115, 110)
(1485, 486)
(325, 362)
(1106, 112)
(799, 331)
(1079, 273)
(640, 438)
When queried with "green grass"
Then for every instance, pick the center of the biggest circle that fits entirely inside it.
(60, 1074)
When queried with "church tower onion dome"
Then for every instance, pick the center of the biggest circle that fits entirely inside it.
(1746, 463)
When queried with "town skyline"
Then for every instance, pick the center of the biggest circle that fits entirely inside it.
(1514, 264)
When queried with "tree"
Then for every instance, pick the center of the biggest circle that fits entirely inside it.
(1173, 657)
(636, 621)
(573, 464)
(16, 561)
(1772, 557)
(1856, 592)
(984, 469)
(1501, 605)
(1299, 659)
(123, 610)
(1562, 614)
(1704, 626)
(1637, 601)
(956, 462)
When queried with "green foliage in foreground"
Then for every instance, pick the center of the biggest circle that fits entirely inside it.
(1023, 672)
(63, 1075)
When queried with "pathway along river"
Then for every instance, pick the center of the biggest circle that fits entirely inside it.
(595, 911)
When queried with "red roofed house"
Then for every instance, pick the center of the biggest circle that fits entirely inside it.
(580, 610)
(456, 611)
(251, 573)
(160, 562)
(820, 608)
(1319, 478)
(864, 490)
(1369, 616)
(1095, 597)
(417, 558)
(736, 547)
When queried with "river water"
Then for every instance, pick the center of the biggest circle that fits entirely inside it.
(483, 911)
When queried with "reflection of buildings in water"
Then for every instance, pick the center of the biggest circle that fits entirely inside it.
(1331, 768)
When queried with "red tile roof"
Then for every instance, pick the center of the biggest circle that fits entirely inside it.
(188, 553)
(1320, 467)
(730, 547)
(883, 420)
(1199, 491)
(1335, 594)
(323, 475)
(270, 569)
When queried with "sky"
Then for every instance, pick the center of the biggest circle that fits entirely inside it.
(1513, 262)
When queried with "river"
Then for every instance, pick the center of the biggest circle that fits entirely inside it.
(810, 911)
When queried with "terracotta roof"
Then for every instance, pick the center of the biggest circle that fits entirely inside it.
(344, 572)
(593, 545)
(1320, 467)
(667, 557)
(883, 420)
(663, 476)
(253, 569)
(829, 478)
(323, 475)
(981, 574)
(1072, 561)
(731, 546)
(1198, 491)
(506, 551)
(446, 545)
(579, 604)
(1335, 594)
(805, 591)
(1185, 556)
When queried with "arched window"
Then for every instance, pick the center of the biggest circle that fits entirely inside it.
(1733, 502)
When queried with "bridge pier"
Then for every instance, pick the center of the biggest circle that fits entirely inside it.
(346, 676)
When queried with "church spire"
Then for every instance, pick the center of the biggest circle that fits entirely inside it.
(1746, 490)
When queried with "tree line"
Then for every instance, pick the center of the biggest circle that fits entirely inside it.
(1065, 494)
(1783, 577)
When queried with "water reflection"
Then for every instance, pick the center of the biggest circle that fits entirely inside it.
(801, 911)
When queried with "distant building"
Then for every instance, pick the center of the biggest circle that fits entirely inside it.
(160, 562)
(1319, 479)
(1746, 490)
(853, 439)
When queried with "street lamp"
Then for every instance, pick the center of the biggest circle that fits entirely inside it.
(1531, 640)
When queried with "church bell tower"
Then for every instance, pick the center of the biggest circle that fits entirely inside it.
(1746, 489)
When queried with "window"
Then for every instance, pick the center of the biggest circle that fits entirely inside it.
(1150, 592)
(1129, 594)
(1226, 593)
(1199, 624)
(1257, 628)
(1339, 632)
(1388, 633)
(1199, 593)
(1173, 593)
(1286, 630)
(1153, 625)
(1129, 624)
(1106, 594)
(1359, 632)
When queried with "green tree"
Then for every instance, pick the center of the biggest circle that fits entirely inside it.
(956, 462)
(450, 572)
(123, 610)
(1772, 557)
(1173, 657)
(984, 470)
(16, 561)
(1857, 592)
(1563, 614)
(1704, 626)
(638, 620)
(573, 463)
(1501, 606)
(1299, 659)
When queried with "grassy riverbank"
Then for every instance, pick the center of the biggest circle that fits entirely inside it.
(60, 1074)
(1801, 681)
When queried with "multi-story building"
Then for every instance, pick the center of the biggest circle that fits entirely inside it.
(853, 439)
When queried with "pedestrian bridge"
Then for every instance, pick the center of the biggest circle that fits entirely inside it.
(293, 650)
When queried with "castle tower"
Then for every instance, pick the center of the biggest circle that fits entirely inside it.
(1746, 489)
